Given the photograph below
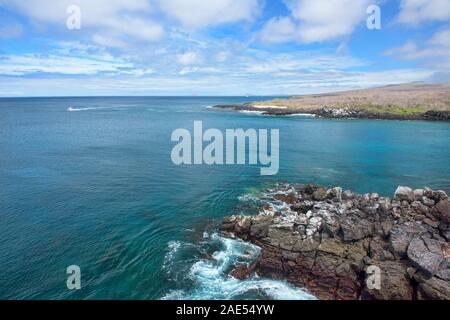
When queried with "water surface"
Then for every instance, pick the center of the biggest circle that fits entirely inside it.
(95, 187)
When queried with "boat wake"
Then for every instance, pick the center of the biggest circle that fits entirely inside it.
(208, 277)
(72, 109)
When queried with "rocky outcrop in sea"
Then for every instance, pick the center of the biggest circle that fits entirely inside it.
(340, 113)
(329, 242)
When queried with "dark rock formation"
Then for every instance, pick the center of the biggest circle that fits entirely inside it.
(341, 113)
(329, 242)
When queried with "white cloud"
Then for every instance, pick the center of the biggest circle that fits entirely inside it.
(280, 29)
(441, 38)
(208, 84)
(122, 18)
(316, 20)
(300, 64)
(15, 65)
(201, 13)
(188, 58)
(435, 52)
(417, 11)
(223, 56)
(109, 42)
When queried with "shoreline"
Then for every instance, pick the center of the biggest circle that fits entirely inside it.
(414, 101)
(336, 113)
(326, 241)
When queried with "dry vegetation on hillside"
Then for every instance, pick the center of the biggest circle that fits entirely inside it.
(407, 99)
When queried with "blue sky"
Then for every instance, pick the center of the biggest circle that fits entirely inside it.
(219, 47)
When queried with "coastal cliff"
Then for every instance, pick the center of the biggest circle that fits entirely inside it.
(324, 240)
(341, 113)
(397, 102)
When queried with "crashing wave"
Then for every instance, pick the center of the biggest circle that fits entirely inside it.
(210, 278)
(252, 112)
(303, 115)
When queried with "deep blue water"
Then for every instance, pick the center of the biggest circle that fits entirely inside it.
(97, 188)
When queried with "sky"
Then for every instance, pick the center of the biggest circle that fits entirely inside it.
(219, 47)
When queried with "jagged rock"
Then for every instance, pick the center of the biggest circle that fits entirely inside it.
(446, 252)
(440, 195)
(446, 234)
(427, 201)
(427, 192)
(418, 194)
(324, 242)
(243, 272)
(401, 236)
(374, 196)
(303, 206)
(309, 189)
(425, 254)
(243, 226)
(287, 198)
(320, 194)
(260, 229)
(355, 229)
(347, 195)
(419, 217)
(384, 205)
(395, 283)
(379, 249)
(443, 208)
(419, 208)
(431, 223)
(432, 288)
(404, 194)
(331, 226)
(335, 194)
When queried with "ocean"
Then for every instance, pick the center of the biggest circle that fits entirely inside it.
(90, 182)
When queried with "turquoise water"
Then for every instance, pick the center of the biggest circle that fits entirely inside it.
(96, 188)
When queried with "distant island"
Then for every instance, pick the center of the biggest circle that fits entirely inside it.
(415, 101)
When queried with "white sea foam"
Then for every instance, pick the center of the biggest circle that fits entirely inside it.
(303, 115)
(212, 282)
(249, 198)
(173, 248)
(252, 112)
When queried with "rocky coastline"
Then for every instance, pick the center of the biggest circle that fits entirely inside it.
(326, 241)
(339, 113)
